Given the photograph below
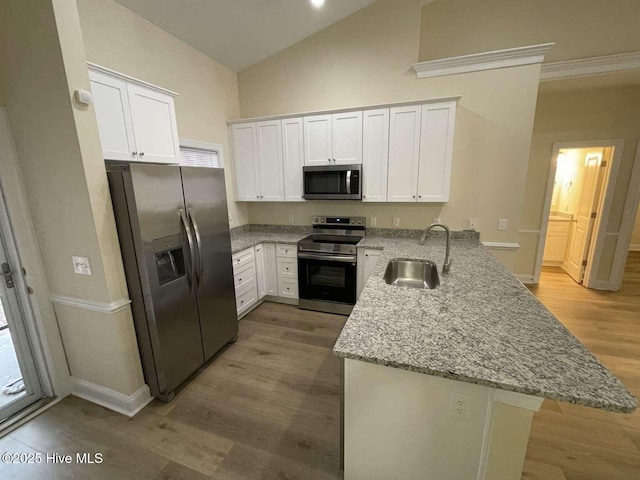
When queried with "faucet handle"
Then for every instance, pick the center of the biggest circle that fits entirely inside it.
(447, 266)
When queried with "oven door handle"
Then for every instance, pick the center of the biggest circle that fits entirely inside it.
(328, 258)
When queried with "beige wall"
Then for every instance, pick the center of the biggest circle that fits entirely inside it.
(364, 60)
(61, 163)
(119, 39)
(635, 238)
(580, 28)
(582, 115)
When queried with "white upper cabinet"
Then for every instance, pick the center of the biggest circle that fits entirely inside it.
(135, 122)
(404, 153)
(375, 155)
(334, 139)
(436, 149)
(111, 104)
(270, 166)
(317, 140)
(243, 137)
(293, 158)
(154, 123)
(347, 138)
(257, 152)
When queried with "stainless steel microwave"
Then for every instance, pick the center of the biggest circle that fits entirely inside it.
(333, 182)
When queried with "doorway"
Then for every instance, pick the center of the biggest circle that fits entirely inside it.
(579, 194)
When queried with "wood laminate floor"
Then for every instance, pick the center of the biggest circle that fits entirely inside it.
(570, 442)
(268, 407)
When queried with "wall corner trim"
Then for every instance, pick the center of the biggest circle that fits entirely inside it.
(516, 399)
(476, 62)
(501, 245)
(110, 308)
(583, 67)
(128, 405)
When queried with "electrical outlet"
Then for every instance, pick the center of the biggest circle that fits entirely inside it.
(291, 220)
(473, 223)
(460, 406)
(373, 221)
(396, 221)
(437, 220)
(81, 265)
(502, 224)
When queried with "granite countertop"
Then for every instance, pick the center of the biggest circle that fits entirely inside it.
(481, 325)
(253, 235)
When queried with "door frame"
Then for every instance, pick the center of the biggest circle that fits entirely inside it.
(602, 218)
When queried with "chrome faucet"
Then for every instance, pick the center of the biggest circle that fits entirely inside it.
(447, 260)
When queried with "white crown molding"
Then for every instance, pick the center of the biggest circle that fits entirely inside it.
(128, 405)
(476, 62)
(516, 399)
(113, 73)
(501, 245)
(110, 308)
(583, 67)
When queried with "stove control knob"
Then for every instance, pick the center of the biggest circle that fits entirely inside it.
(316, 220)
(359, 222)
(352, 222)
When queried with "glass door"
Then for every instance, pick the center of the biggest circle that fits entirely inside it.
(332, 280)
(19, 381)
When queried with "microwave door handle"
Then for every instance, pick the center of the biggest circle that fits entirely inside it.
(192, 252)
(196, 230)
(348, 181)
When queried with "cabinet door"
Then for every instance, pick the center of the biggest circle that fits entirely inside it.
(270, 167)
(347, 138)
(243, 136)
(111, 104)
(293, 159)
(375, 155)
(436, 148)
(260, 272)
(270, 269)
(404, 153)
(154, 123)
(367, 259)
(317, 140)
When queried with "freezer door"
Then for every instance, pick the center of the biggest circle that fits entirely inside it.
(206, 201)
(167, 266)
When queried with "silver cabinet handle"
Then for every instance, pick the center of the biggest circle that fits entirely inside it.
(142, 154)
(196, 229)
(192, 252)
(134, 153)
(413, 196)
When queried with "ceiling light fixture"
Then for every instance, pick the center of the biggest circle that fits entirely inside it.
(317, 3)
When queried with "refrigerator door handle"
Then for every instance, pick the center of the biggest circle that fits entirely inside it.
(196, 229)
(192, 275)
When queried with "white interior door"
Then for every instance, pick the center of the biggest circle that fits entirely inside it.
(585, 219)
(113, 114)
(154, 124)
(347, 138)
(317, 140)
(270, 166)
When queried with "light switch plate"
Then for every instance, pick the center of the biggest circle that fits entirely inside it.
(502, 224)
(473, 224)
(396, 221)
(82, 265)
(373, 221)
(291, 220)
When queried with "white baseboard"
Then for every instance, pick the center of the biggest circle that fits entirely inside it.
(128, 405)
(634, 247)
(600, 285)
(525, 278)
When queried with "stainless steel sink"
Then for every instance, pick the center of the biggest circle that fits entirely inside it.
(407, 272)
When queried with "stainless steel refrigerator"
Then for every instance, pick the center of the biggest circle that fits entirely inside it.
(174, 235)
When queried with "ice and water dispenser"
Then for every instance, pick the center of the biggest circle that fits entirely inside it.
(170, 261)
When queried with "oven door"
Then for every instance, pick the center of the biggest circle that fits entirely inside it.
(337, 182)
(330, 278)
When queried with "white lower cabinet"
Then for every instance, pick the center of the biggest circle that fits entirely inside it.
(270, 269)
(287, 261)
(367, 260)
(245, 281)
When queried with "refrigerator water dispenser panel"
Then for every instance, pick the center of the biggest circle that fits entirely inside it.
(169, 259)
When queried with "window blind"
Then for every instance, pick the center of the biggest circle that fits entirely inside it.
(196, 157)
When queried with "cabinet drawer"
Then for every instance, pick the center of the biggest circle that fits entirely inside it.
(246, 297)
(242, 259)
(244, 275)
(288, 287)
(290, 251)
(287, 267)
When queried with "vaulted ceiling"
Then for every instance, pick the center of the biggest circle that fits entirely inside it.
(240, 33)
